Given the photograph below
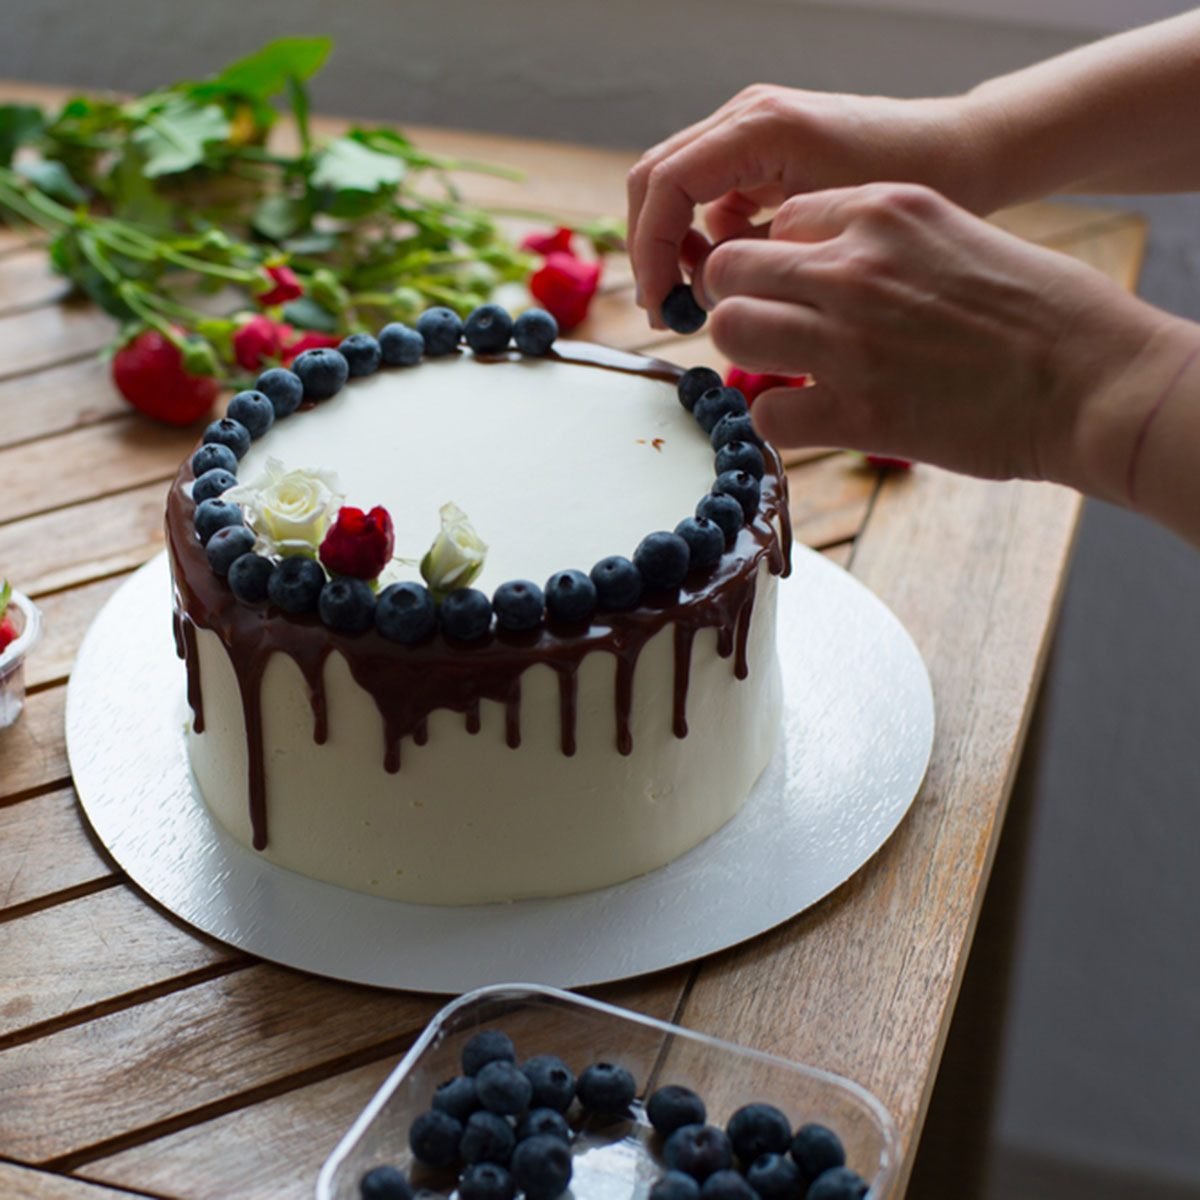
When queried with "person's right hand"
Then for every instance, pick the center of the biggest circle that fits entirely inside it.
(769, 143)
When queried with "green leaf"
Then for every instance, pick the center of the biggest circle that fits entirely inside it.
(266, 72)
(298, 98)
(174, 138)
(5, 596)
(310, 244)
(278, 217)
(134, 197)
(20, 124)
(308, 314)
(53, 179)
(346, 165)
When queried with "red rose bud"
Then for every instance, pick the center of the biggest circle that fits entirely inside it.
(359, 544)
(309, 340)
(565, 286)
(556, 242)
(151, 374)
(259, 341)
(287, 287)
(752, 384)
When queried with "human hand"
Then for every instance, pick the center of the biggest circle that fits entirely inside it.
(769, 143)
(935, 336)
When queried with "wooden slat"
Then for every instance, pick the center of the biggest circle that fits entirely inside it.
(91, 950)
(47, 336)
(33, 752)
(26, 281)
(23, 1183)
(187, 1052)
(829, 498)
(44, 849)
(111, 456)
(56, 399)
(81, 543)
(65, 619)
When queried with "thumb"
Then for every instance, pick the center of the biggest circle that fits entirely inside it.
(794, 417)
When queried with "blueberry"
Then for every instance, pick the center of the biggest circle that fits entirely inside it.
(758, 1129)
(734, 427)
(214, 456)
(705, 539)
(440, 329)
(400, 346)
(816, 1149)
(534, 332)
(283, 388)
(215, 514)
(606, 1088)
(503, 1088)
(553, 1082)
(227, 545)
(698, 1151)
(347, 605)
(362, 354)
(680, 311)
(717, 403)
(466, 614)
(248, 578)
(457, 1097)
(385, 1183)
(741, 456)
(541, 1167)
(254, 410)
(323, 372)
(543, 1122)
(723, 511)
(212, 483)
(672, 1107)
(743, 487)
(570, 597)
(838, 1183)
(434, 1136)
(675, 1185)
(405, 613)
(775, 1177)
(230, 433)
(295, 585)
(489, 1045)
(694, 382)
(488, 329)
(518, 605)
(486, 1181)
(487, 1137)
(618, 582)
(662, 558)
(727, 1185)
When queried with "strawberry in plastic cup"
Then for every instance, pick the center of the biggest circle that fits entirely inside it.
(20, 628)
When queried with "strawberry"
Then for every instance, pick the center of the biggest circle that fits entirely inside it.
(149, 372)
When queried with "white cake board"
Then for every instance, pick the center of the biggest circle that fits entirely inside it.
(858, 729)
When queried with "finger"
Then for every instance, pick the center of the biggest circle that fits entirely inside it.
(793, 417)
(766, 269)
(769, 336)
(732, 215)
(817, 216)
(695, 249)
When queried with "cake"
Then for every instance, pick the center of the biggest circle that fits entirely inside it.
(469, 764)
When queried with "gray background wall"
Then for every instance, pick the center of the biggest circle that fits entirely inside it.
(1102, 1059)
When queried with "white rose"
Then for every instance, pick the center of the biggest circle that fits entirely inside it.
(457, 554)
(289, 511)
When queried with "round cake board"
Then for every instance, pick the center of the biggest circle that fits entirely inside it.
(856, 738)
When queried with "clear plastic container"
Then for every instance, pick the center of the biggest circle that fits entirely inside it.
(612, 1159)
(28, 622)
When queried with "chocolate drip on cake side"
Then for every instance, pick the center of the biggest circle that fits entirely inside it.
(407, 683)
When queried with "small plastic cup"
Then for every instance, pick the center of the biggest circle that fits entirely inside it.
(28, 622)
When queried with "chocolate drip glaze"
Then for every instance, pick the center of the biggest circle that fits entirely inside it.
(407, 683)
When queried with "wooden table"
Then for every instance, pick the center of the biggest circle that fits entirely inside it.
(138, 1055)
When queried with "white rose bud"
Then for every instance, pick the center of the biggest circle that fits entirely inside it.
(289, 511)
(456, 556)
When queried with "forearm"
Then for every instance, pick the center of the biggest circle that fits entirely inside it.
(1110, 116)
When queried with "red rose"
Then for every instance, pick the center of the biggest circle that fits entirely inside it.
(565, 286)
(358, 543)
(260, 340)
(287, 287)
(752, 384)
(309, 340)
(556, 242)
(151, 374)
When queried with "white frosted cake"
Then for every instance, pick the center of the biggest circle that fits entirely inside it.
(538, 756)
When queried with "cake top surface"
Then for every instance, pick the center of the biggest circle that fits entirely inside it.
(556, 463)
